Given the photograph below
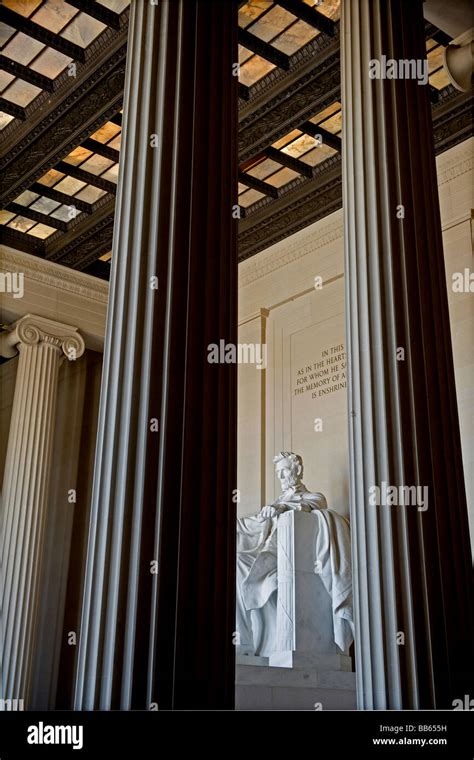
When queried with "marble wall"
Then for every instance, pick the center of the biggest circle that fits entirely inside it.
(292, 296)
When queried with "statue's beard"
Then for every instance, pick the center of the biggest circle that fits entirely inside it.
(289, 482)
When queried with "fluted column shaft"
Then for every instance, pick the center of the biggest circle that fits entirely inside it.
(159, 595)
(42, 344)
(412, 565)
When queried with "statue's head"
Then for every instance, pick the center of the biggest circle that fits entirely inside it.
(289, 469)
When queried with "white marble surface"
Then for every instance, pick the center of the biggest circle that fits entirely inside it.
(294, 585)
(304, 609)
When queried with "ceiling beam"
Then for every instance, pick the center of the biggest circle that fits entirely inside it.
(21, 241)
(83, 114)
(308, 201)
(310, 15)
(297, 101)
(67, 200)
(103, 150)
(258, 184)
(334, 141)
(26, 74)
(117, 119)
(263, 49)
(39, 33)
(275, 221)
(251, 161)
(442, 38)
(91, 179)
(44, 112)
(12, 109)
(87, 238)
(98, 11)
(98, 268)
(261, 123)
(244, 91)
(37, 216)
(290, 162)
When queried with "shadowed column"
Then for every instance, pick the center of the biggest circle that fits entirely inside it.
(159, 596)
(412, 564)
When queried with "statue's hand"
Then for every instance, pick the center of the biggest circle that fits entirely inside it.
(267, 513)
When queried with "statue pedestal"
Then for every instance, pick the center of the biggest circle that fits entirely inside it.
(259, 687)
(305, 632)
(307, 671)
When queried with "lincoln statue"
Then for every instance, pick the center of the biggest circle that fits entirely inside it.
(257, 546)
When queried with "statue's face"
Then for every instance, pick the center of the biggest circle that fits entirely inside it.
(287, 474)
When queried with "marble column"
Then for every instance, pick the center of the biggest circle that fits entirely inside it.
(159, 594)
(42, 344)
(412, 564)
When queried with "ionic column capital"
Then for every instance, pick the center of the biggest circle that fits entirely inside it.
(33, 330)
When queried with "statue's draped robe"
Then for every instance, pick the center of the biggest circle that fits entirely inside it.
(257, 571)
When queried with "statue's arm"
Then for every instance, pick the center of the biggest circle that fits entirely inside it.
(300, 506)
(273, 510)
(317, 501)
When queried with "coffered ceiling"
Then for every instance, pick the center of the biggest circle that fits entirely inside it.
(62, 68)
